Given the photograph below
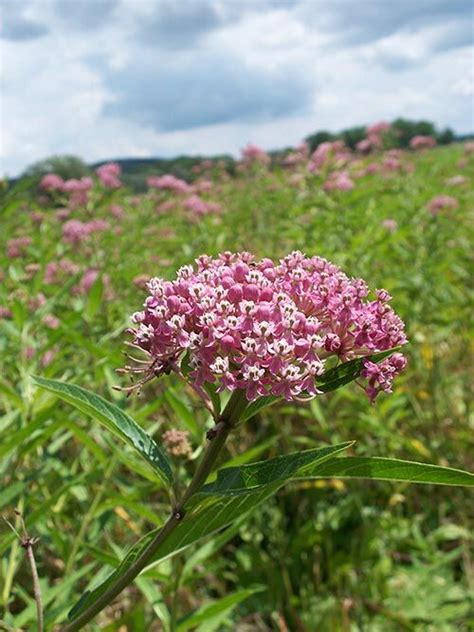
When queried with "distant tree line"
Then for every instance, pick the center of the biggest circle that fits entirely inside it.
(400, 133)
(135, 171)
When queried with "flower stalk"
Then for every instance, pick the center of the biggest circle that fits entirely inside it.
(217, 438)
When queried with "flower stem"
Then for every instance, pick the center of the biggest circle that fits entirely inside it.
(217, 438)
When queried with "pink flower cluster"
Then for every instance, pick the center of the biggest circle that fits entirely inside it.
(338, 180)
(378, 128)
(5, 312)
(88, 279)
(117, 211)
(76, 188)
(56, 272)
(440, 202)
(422, 142)
(254, 154)
(17, 247)
(380, 376)
(177, 442)
(75, 185)
(374, 138)
(108, 175)
(168, 182)
(335, 151)
(263, 327)
(203, 186)
(51, 182)
(390, 224)
(75, 231)
(199, 207)
(297, 157)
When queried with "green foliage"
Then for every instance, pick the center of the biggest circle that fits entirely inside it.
(401, 132)
(353, 135)
(334, 553)
(316, 139)
(114, 419)
(65, 166)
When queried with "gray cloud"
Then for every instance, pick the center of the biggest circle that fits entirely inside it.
(85, 14)
(178, 24)
(15, 26)
(371, 20)
(198, 90)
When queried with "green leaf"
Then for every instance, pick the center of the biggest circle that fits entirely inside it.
(211, 390)
(233, 480)
(256, 406)
(94, 299)
(183, 413)
(216, 609)
(115, 420)
(348, 371)
(382, 469)
(217, 506)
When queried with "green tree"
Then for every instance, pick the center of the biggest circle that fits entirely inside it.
(65, 166)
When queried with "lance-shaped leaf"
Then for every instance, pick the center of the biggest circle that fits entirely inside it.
(383, 469)
(237, 480)
(114, 419)
(210, 615)
(217, 506)
(348, 371)
(259, 404)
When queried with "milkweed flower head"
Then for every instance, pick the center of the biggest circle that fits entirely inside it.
(422, 142)
(75, 231)
(117, 211)
(199, 207)
(255, 154)
(269, 329)
(51, 182)
(168, 183)
(177, 442)
(378, 128)
(17, 247)
(390, 224)
(108, 175)
(56, 272)
(338, 180)
(364, 145)
(440, 202)
(328, 152)
(73, 185)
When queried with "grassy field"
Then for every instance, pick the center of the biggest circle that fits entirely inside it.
(321, 555)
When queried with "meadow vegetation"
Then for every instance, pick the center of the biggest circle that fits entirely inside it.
(335, 555)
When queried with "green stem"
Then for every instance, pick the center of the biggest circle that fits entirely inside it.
(217, 437)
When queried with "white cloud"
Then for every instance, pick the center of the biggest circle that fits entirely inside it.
(270, 72)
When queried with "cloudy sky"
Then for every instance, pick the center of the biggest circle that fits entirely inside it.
(113, 78)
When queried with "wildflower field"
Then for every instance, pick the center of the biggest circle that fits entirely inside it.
(330, 554)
